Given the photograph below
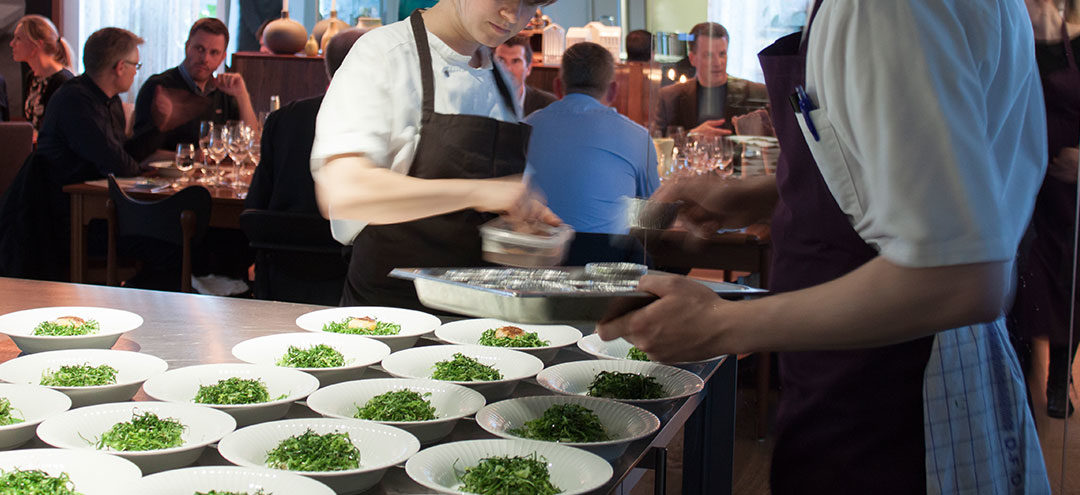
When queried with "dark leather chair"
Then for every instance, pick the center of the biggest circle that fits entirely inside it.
(178, 220)
(296, 259)
(18, 141)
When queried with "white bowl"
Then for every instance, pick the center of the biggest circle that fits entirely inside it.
(573, 378)
(451, 402)
(133, 368)
(624, 423)
(419, 362)
(571, 470)
(113, 322)
(92, 473)
(380, 447)
(32, 403)
(182, 384)
(80, 428)
(227, 479)
(619, 349)
(359, 353)
(469, 332)
(413, 323)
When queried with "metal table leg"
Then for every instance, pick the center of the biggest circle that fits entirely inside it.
(709, 436)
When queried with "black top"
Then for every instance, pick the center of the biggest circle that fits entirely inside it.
(5, 115)
(36, 96)
(282, 181)
(146, 137)
(82, 135)
(1051, 56)
(711, 102)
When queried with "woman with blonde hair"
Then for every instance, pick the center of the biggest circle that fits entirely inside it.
(38, 43)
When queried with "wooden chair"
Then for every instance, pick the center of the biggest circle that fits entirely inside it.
(296, 259)
(18, 141)
(179, 219)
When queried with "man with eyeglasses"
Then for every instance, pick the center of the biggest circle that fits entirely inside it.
(171, 104)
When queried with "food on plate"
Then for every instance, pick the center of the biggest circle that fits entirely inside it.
(510, 336)
(318, 356)
(234, 390)
(7, 415)
(79, 375)
(397, 405)
(564, 423)
(637, 354)
(520, 475)
(311, 451)
(35, 482)
(67, 326)
(364, 325)
(464, 369)
(626, 386)
(145, 431)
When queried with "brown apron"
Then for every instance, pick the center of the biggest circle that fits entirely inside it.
(450, 147)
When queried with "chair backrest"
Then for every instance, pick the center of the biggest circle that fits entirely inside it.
(288, 231)
(296, 258)
(18, 143)
(160, 219)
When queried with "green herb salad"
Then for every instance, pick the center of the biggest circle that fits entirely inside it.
(564, 423)
(397, 405)
(79, 375)
(463, 368)
(511, 337)
(626, 386)
(67, 326)
(7, 414)
(311, 451)
(234, 391)
(145, 431)
(519, 475)
(35, 482)
(317, 356)
(362, 326)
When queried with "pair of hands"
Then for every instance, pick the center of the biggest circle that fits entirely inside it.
(515, 199)
(711, 128)
(174, 107)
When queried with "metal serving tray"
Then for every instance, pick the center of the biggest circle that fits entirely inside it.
(538, 295)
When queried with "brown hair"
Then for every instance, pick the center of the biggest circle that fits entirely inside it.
(338, 47)
(211, 25)
(708, 30)
(107, 46)
(522, 41)
(1072, 11)
(43, 32)
(639, 46)
(587, 68)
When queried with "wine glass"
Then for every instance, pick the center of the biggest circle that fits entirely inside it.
(185, 160)
(238, 142)
(206, 129)
(217, 148)
(724, 156)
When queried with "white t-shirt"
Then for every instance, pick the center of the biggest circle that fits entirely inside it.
(373, 104)
(935, 146)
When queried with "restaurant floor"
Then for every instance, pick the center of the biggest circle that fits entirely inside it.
(751, 470)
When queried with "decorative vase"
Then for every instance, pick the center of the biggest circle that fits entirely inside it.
(285, 36)
(331, 31)
(327, 26)
(368, 22)
(311, 48)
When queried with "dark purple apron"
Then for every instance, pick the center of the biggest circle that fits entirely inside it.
(450, 147)
(1042, 298)
(848, 421)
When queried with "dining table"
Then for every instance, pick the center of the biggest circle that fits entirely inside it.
(190, 329)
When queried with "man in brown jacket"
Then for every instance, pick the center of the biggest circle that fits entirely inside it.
(707, 103)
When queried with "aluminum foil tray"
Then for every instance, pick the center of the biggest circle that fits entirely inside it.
(537, 295)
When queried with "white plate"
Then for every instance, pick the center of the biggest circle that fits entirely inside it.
(451, 402)
(33, 404)
(380, 447)
(91, 473)
(413, 323)
(166, 169)
(618, 349)
(113, 322)
(182, 384)
(622, 422)
(761, 141)
(419, 362)
(571, 470)
(573, 378)
(359, 353)
(133, 368)
(469, 331)
(203, 479)
(80, 428)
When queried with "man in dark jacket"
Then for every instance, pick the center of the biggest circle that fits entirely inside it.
(517, 56)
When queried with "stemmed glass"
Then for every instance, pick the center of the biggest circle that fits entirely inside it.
(217, 149)
(206, 130)
(724, 155)
(238, 143)
(185, 161)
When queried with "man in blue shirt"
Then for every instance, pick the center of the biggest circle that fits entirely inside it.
(583, 154)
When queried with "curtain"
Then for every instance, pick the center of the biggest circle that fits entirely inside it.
(164, 26)
(753, 25)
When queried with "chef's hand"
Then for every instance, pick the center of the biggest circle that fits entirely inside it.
(681, 326)
(512, 197)
(1063, 167)
(711, 128)
(231, 84)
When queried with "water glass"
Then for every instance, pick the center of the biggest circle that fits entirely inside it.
(185, 160)
(238, 144)
(217, 149)
(206, 130)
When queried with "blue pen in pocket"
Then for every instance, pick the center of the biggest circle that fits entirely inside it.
(802, 104)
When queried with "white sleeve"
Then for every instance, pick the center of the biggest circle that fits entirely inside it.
(937, 111)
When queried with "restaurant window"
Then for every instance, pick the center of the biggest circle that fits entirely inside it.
(164, 26)
(753, 25)
(350, 10)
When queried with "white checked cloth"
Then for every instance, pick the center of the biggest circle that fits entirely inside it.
(980, 436)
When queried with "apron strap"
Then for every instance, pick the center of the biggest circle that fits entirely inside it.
(427, 76)
(1068, 44)
(501, 84)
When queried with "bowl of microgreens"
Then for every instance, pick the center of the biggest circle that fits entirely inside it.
(396, 327)
(639, 382)
(603, 427)
(64, 472)
(521, 467)
(87, 376)
(251, 393)
(542, 341)
(23, 407)
(156, 436)
(330, 358)
(67, 327)
(347, 455)
(428, 409)
(492, 371)
(619, 348)
(228, 480)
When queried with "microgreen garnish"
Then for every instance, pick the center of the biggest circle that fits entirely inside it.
(362, 326)
(67, 328)
(637, 354)
(145, 431)
(627, 386)
(564, 423)
(35, 482)
(520, 475)
(6, 414)
(311, 451)
(397, 405)
(79, 375)
(491, 337)
(464, 369)
(318, 356)
(233, 391)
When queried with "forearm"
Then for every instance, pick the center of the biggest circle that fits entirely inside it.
(247, 111)
(877, 304)
(751, 200)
